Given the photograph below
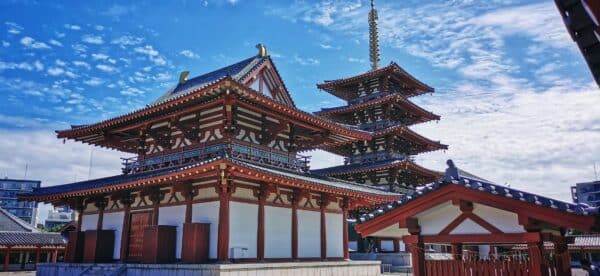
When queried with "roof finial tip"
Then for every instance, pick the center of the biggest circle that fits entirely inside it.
(183, 77)
(373, 38)
(262, 50)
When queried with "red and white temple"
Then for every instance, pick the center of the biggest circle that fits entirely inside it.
(217, 177)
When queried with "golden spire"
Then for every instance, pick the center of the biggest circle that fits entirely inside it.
(373, 38)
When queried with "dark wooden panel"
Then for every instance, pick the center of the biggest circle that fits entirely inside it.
(99, 246)
(74, 252)
(159, 244)
(194, 249)
(138, 222)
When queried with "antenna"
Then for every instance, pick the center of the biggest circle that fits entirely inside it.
(27, 168)
(595, 172)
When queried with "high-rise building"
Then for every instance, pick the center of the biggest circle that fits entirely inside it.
(58, 216)
(10, 189)
(587, 192)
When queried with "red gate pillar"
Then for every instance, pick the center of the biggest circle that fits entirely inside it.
(456, 250)
(535, 250)
(417, 253)
(562, 256)
(6, 258)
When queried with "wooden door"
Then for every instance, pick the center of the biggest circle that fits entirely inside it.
(138, 222)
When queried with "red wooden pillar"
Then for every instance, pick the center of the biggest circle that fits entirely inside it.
(262, 195)
(37, 255)
(535, 250)
(562, 256)
(55, 256)
(6, 258)
(396, 245)
(100, 204)
(126, 200)
(345, 230)
(224, 188)
(323, 202)
(456, 250)
(417, 253)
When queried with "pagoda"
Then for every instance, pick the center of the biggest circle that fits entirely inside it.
(216, 177)
(378, 103)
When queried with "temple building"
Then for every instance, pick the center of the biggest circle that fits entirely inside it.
(378, 103)
(216, 166)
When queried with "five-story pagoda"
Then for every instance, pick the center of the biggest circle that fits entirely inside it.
(378, 103)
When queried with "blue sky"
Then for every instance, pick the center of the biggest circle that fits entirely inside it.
(517, 101)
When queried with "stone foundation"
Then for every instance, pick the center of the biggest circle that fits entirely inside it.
(334, 268)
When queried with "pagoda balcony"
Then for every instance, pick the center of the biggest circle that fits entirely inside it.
(373, 157)
(375, 95)
(255, 154)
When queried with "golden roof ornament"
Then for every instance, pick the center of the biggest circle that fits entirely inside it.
(262, 50)
(183, 77)
(373, 38)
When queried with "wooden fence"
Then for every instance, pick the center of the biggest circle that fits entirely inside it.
(508, 267)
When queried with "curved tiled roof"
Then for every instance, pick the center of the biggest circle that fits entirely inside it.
(126, 179)
(454, 178)
(378, 165)
(31, 239)
(12, 223)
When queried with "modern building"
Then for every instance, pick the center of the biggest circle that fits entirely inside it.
(22, 246)
(587, 193)
(58, 217)
(9, 191)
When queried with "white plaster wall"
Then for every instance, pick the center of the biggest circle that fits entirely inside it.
(278, 232)
(114, 221)
(89, 222)
(387, 245)
(309, 234)
(437, 218)
(208, 213)
(507, 222)
(469, 227)
(243, 223)
(175, 216)
(402, 246)
(334, 225)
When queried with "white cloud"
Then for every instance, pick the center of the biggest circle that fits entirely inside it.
(5, 44)
(81, 64)
(304, 61)
(72, 27)
(13, 28)
(132, 91)
(189, 54)
(92, 39)
(99, 56)
(60, 62)
(29, 42)
(329, 47)
(106, 68)
(357, 60)
(55, 71)
(38, 65)
(152, 54)
(12, 66)
(55, 42)
(99, 27)
(94, 81)
(127, 40)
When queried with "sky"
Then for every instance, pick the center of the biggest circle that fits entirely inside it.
(517, 102)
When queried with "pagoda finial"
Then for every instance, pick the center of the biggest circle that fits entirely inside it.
(373, 38)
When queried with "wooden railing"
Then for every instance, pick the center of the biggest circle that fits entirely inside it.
(476, 267)
(249, 153)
